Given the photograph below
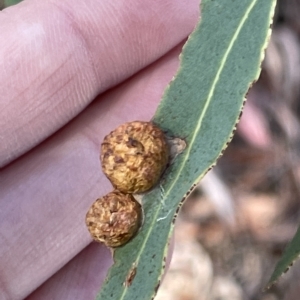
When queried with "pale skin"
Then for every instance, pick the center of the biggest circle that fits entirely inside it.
(56, 57)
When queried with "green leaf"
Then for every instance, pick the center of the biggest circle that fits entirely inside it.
(201, 106)
(11, 2)
(290, 255)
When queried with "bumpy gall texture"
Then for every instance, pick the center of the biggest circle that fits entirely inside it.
(114, 219)
(134, 156)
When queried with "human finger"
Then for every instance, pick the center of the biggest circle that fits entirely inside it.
(45, 194)
(56, 56)
(80, 278)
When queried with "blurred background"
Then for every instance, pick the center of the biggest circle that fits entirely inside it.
(234, 227)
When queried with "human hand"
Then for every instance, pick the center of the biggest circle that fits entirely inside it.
(56, 57)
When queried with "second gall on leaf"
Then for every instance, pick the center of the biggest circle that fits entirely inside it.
(114, 219)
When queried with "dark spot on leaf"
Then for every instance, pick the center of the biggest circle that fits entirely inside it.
(130, 276)
(157, 287)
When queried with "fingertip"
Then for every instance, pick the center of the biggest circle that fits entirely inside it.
(56, 56)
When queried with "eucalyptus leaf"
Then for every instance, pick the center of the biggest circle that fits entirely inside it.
(290, 255)
(201, 106)
(11, 2)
